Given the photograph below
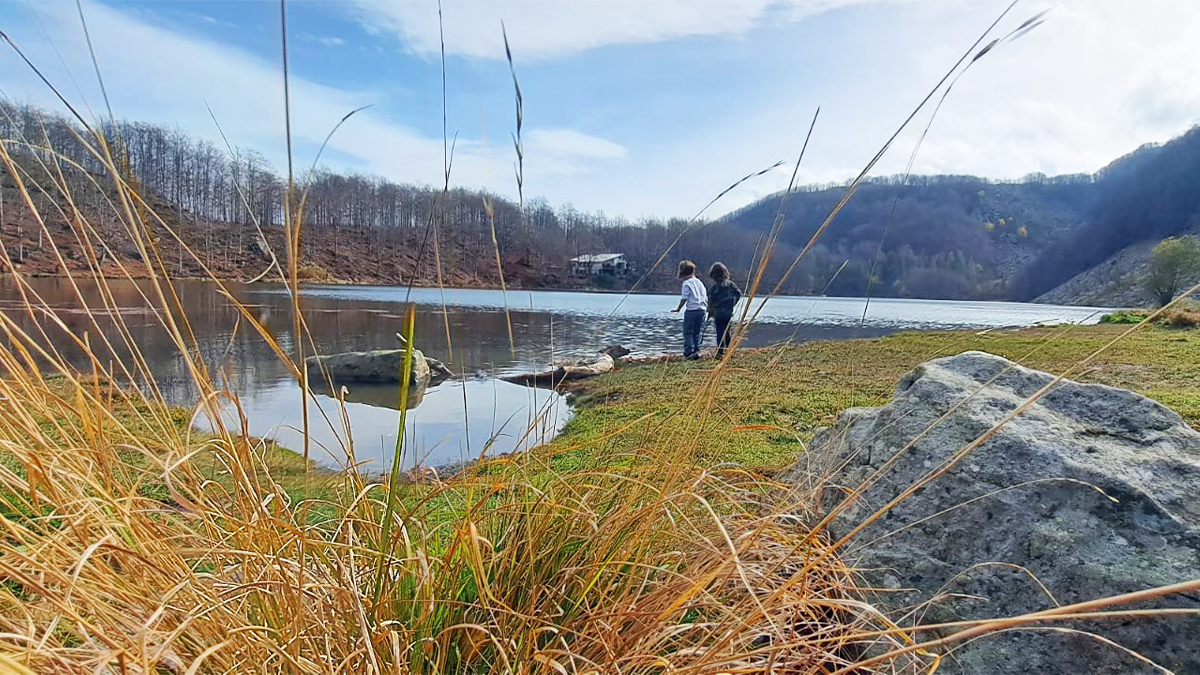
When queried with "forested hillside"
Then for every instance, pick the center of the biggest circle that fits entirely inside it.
(956, 237)
(1145, 196)
(963, 237)
(356, 227)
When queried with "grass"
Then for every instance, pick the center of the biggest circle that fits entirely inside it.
(613, 544)
(163, 430)
(773, 399)
(763, 422)
(1125, 317)
(555, 560)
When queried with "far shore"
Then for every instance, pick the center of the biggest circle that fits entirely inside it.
(426, 285)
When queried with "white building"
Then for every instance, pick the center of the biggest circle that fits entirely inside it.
(600, 264)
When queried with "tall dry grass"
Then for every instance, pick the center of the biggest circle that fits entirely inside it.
(125, 552)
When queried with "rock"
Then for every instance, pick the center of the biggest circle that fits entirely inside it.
(616, 351)
(381, 366)
(1076, 541)
(374, 377)
(259, 246)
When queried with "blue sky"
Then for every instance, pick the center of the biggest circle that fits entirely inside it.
(646, 107)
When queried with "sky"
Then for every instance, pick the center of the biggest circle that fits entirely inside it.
(631, 107)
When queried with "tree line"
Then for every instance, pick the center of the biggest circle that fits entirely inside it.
(956, 237)
(221, 197)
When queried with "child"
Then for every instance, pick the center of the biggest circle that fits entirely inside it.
(695, 299)
(724, 295)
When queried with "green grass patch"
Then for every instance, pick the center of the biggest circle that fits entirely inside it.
(1125, 316)
(771, 401)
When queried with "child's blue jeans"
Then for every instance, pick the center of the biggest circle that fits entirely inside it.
(693, 324)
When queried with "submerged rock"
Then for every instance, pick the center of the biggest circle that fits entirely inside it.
(1019, 507)
(372, 377)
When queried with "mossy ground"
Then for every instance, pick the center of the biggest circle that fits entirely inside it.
(771, 400)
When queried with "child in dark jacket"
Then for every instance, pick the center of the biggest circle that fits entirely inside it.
(722, 298)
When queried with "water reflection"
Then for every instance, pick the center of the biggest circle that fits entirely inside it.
(457, 421)
(546, 327)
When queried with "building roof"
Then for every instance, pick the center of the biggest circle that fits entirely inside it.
(597, 257)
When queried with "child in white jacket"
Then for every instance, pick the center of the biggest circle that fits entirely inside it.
(693, 297)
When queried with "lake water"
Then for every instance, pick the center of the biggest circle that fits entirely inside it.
(464, 417)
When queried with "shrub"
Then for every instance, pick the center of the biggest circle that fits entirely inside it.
(310, 271)
(1174, 265)
(1125, 316)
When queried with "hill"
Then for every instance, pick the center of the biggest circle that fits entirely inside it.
(1118, 281)
(951, 237)
(227, 206)
(1139, 200)
(962, 237)
(227, 209)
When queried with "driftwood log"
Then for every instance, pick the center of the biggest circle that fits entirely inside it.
(549, 379)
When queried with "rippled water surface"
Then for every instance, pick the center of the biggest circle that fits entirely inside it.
(464, 417)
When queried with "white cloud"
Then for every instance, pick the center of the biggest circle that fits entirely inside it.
(543, 29)
(154, 74)
(572, 143)
(1097, 80)
(547, 29)
(1100, 78)
(326, 40)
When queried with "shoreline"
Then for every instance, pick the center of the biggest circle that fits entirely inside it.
(806, 386)
(773, 399)
(430, 285)
(425, 284)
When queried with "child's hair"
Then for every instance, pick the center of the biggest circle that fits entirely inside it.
(718, 272)
(686, 268)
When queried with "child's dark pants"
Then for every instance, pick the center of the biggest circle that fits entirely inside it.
(721, 322)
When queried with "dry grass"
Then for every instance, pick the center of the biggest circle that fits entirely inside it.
(312, 272)
(587, 572)
(1184, 314)
(133, 545)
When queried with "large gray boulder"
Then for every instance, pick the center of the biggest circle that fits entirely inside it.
(1032, 509)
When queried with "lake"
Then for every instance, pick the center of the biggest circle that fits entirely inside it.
(474, 413)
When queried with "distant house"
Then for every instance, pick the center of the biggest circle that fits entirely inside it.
(600, 265)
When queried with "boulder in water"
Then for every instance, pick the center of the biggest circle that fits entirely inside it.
(1021, 506)
(380, 366)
